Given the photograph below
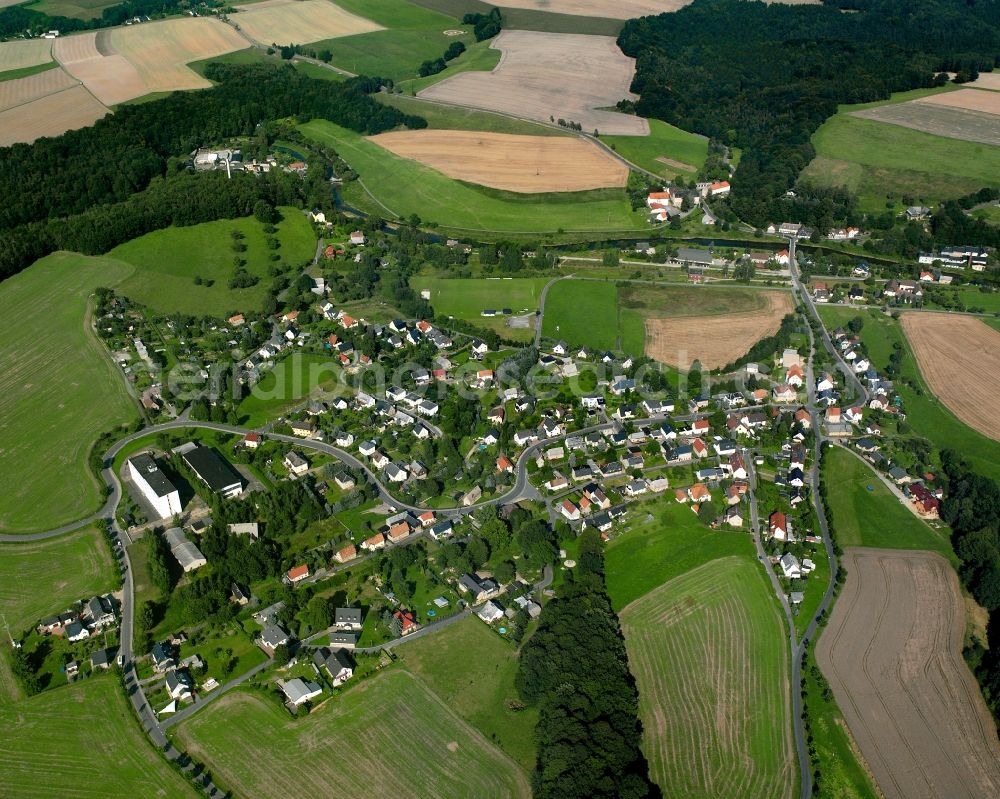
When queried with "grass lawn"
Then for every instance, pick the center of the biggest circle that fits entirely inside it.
(449, 117)
(924, 413)
(43, 577)
(58, 391)
(867, 514)
(290, 381)
(387, 736)
(82, 741)
(164, 280)
(24, 72)
(709, 655)
(404, 187)
(583, 313)
(874, 159)
(476, 688)
(971, 297)
(667, 142)
(652, 552)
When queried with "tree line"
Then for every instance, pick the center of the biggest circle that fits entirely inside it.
(765, 77)
(18, 20)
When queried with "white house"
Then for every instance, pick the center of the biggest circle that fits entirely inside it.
(299, 691)
(154, 485)
(790, 566)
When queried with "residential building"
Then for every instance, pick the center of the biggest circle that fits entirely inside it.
(336, 662)
(299, 691)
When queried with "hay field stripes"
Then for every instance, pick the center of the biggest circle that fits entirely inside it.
(25, 90)
(299, 22)
(707, 649)
(387, 736)
(959, 357)
(545, 75)
(51, 115)
(23, 53)
(938, 120)
(511, 162)
(714, 341)
(892, 654)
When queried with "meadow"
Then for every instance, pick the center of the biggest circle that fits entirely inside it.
(386, 736)
(924, 413)
(58, 391)
(478, 57)
(290, 381)
(165, 276)
(82, 741)
(478, 688)
(709, 655)
(75, 9)
(30, 588)
(867, 514)
(667, 150)
(583, 313)
(397, 187)
(988, 213)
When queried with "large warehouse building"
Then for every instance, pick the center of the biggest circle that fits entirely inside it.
(214, 471)
(154, 485)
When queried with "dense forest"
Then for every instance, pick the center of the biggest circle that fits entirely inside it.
(575, 668)
(93, 188)
(765, 77)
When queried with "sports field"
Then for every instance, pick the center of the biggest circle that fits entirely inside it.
(893, 655)
(529, 164)
(478, 688)
(398, 187)
(164, 277)
(959, 357)
(866, 513)
(80, 741)
(551, 76)
(387, 736)
(295, 22)
(43, 577)
(708, 652)
(58, 391)
(667, 151)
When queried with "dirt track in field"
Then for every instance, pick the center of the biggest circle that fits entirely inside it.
(959, 357)
(892, 654)
(546, 76)
(714, 341)
(511, 162)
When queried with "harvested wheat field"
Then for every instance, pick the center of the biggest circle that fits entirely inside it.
(710, 660)
(892, 652)
(986, 80)
(25, 90)
(717, 340)
(51, 115)
(609, 9)
(24, 53)
(507, 161)
(939, 120)
(959, 357)
(967, 99)
(300, 22)
(544, 76)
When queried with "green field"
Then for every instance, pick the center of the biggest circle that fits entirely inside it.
(582, 312)
(663, 141)
(476, 688)
(928, 417)
(670, 544)
(988, 213)
(24, 72)
(874, 159)
(467, 298)
(530, 19)
(250, 55)
(453, 117)
(40, 578)
(709, 654)
(318, 72)
(82, 741)
(867, 514)
(58, 391)
(291, 380)
(77, 9)
(387, 736)
(164, 279)
(478, 57)
(398, 187)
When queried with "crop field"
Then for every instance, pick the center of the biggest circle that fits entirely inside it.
(22, 53)
(987, 80)
(551, 76)
(866, 513)
(959, 357)
(75, 9)
(942, 115)
(51, 115)
(25, 90)
(58, 391)
(387, 736)
(398, 187)
(292, 22)
(610, 9)
(709, 656)
(452, 117)
(514, 163)
(164, 279)
(477, 689)
(967, 99)
(666, 151)
(893, 655)
(31, 588)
